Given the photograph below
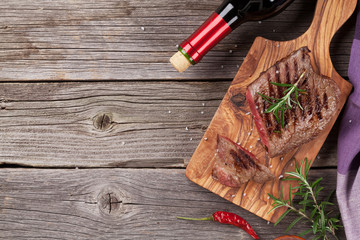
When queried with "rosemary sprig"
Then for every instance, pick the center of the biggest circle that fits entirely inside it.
(310, 208)
(280, 105)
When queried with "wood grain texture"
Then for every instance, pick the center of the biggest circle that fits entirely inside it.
(121, 204)
(103, 40)
(231, 120)
(114, 124)
(119, 125)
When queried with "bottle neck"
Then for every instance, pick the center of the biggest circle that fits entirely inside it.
(229, 11)
(204, 38)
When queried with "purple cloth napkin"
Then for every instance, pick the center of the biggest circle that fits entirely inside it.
(348, 178)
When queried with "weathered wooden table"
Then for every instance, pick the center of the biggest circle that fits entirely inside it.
(97, 127)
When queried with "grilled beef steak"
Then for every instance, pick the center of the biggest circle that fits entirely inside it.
(319, 104)
(235, 166)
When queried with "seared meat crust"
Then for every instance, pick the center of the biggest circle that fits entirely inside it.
(320, 103)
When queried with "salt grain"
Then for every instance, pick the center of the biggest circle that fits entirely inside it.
(230, 51)
(268, 197)
(222, 66)
(187, 129)
(238, 143)
(259, 139)
(251, 146)
(249, 133)
(142, 28)
(233, 196)
(244, 193)
(203, 104)
(217, 150)
(123, 143)
(270, 166)
(291, 164)
(205, 139)
(76, 168)
(350, 121)
(237, 65)
(259, 22)
(277, 72)
(177, 45)
(247, 113)
(281, 176)
(190, 139)
(169, 111)
(274, 30)
(278, 45)
(282, 158)
(268, 221)
(202, 112)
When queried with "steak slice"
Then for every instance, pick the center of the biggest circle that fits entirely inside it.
(235, 166)
(320, 103)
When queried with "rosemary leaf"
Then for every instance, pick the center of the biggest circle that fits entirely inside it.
(316, 182)
(318, 190)
(282, 216)
(316, 238)
(313, 212)
(305, 202)
(316, 224)
(290, 197)
(293, 223)
(304, 232)
(281, 84)
(324, 203)
(266, 97)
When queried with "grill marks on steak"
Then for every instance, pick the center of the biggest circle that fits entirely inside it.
(319, 104)
(235, 166)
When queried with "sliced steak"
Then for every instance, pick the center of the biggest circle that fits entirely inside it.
(320, 103)
(235, 166)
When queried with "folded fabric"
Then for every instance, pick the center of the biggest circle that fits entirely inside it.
(348, 177)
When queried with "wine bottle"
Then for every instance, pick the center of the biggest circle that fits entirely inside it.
(229, 15)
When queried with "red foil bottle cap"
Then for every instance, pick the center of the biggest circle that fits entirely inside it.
(212, 31)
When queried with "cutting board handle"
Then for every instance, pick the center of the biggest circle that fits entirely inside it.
(329, 16)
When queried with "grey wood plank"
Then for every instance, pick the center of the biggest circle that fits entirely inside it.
(113, 124)
(102, 40)
(121, 204)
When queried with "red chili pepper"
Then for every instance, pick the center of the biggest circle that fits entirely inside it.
(228, 218)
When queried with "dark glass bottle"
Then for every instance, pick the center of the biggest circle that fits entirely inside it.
(229, 15)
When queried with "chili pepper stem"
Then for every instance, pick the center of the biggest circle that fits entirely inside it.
(211, 218)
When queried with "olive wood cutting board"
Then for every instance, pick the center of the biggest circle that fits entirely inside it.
(232, 119)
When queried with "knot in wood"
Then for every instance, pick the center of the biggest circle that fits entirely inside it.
(238, 100)
(3, 104)
(102, 121)
(109, 201)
